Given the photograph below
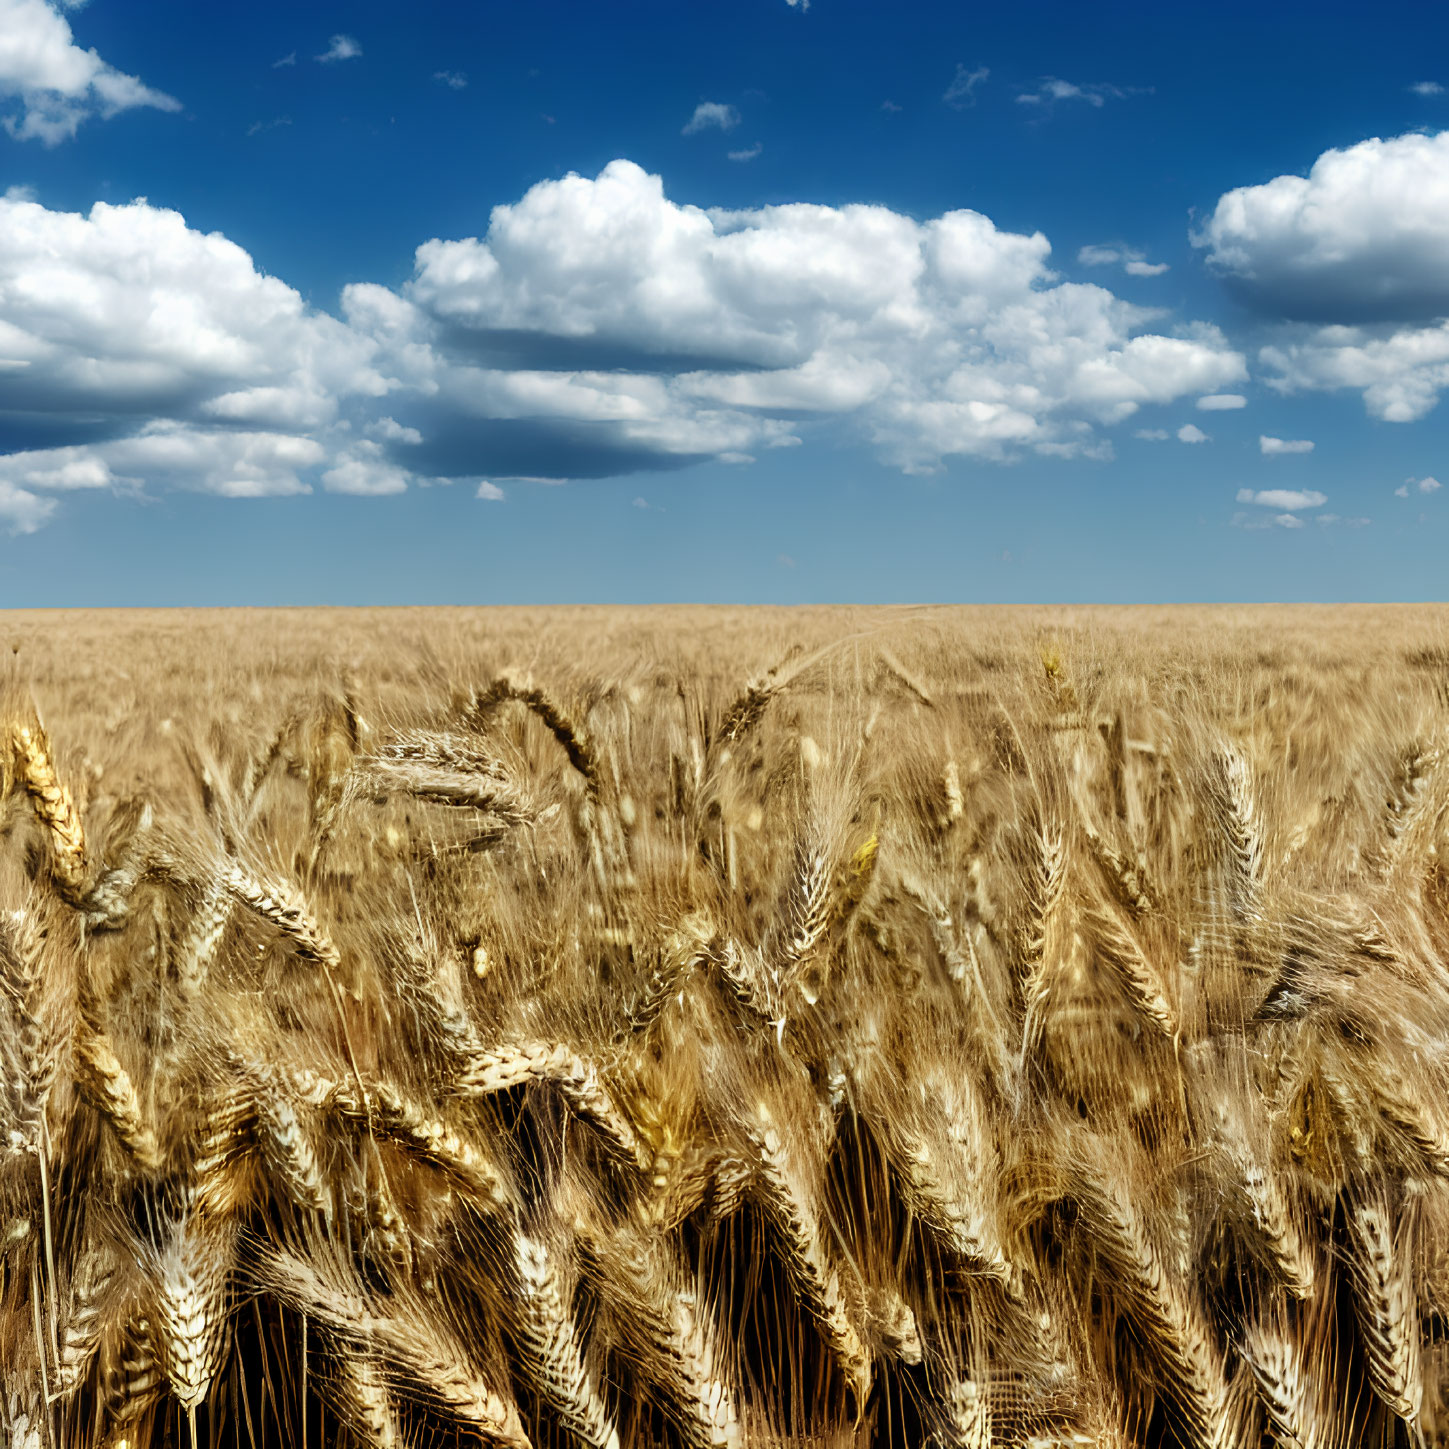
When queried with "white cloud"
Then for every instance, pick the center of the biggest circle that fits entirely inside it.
(1152, 435)
(1283, 498)
(801, 5)
(392, 431)
(1360, 239)
(748, 154)
(56, 84)
(1278, 446)
(341, 47)
(711, 114)
(1423, 485)
(454, 79)
(231, 464)
(197, 371)
(940, 337)
(364, 470)
(1132, 261)
(1427, 88)
(1052, 90)
(1356, 247)
(1255, 521)
(1400, 372)
(23, 511)
(490, 491)
(127, 311)
(962, 90)
(596, 329)
(1221, 402)
(1191, 433)
(289, 59)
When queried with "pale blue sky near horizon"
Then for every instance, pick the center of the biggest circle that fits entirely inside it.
(747, 302)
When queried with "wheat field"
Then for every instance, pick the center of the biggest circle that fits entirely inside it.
(700, 1028)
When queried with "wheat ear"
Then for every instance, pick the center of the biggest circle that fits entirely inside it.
(788, 1202)
(34, 1049)
(807, 908)
(1277, 1220)
(1386, 1307)
(1286, 1382)
(551, 1347)
(284, 908)
(421, 1354)
(449, 770)
(188, 1290)
(575, 746)
(1186, 1349)
(678, 1340)
(1238, 812)
(577, 1079)
(384, 1109)
(86, 1321)
(289, 1146)
(1146, 986)
(359, 1393)
(963, 1416)
(134, 1382)
(945, 1174)
(54, 808)
(686, 949)
(109, 1087)
(203, 939)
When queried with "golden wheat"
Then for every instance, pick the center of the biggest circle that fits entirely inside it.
(834, 1028)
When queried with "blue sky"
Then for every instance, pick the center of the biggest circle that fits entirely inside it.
(746, 302)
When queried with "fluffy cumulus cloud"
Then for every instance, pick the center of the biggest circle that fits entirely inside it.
(1400, 371)
(137, 350)
(937, 338)
(1354, 254)
(49, 85)
(1417, 485)
(597, 328)
(1359, 239)
(1191, 433)
(1276, 447)
(1222, 402)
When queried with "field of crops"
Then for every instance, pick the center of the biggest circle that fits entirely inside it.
(694, 1027)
